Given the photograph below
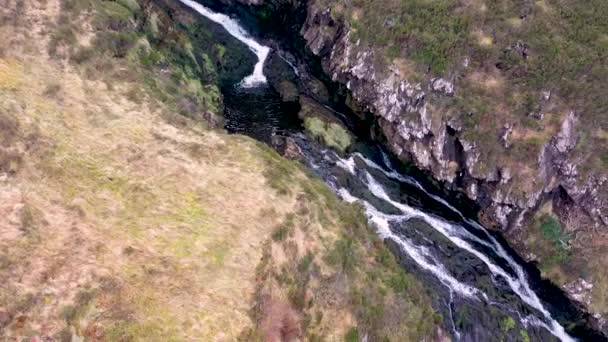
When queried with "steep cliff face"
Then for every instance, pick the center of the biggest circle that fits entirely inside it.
(473, 114)
(419, 125)
(411, 115)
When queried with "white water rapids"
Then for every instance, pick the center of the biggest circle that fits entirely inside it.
(456, 234)
(233, 27)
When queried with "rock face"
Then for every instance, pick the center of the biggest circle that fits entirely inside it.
(407, 115)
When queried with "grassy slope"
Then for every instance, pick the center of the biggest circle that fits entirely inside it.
(126, 221)
(567, 51)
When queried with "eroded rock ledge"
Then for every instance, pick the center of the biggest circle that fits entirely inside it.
(407, 113)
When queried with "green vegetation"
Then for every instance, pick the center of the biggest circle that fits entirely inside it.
(552, 231)
(345, 255)
(285, 230)
(508, 324)
(330, 133)
(549, 243)
(132, 5)
(343, 263)
(524, 335)
(514, 50)
(141, 48)
(114, 15)
(426, 31)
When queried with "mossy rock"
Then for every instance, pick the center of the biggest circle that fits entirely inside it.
(289, 91)
(322, 125)
(330, 133)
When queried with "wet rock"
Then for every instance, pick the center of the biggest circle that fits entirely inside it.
(292, 150)
(505, 175)
(320, 41)
(311, 108)
(289, 91)
(286, 147)
(472, 191)
(316, 88)
(282, 77)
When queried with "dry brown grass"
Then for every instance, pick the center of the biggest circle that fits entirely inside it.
(127, 222)
(116, 199)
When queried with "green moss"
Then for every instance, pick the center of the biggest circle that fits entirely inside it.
(208, 64)
(507, 324)
(552, 230)
(524, 335)
(220, 51)
(549, 243)
(332, 134)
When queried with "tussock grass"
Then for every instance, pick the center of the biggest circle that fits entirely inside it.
(340, 269)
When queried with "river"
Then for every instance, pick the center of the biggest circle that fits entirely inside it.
(477, 281)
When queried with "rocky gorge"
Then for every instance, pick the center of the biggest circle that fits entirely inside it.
(133, 215)
(420, 117)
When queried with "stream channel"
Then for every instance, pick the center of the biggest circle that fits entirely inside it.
(476, 281)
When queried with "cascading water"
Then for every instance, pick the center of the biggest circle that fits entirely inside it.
(233, 27)
(455, 233)
(453, 253)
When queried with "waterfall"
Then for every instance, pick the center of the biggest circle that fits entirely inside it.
(233, 27)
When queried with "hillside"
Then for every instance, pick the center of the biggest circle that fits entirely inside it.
(129, 215)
